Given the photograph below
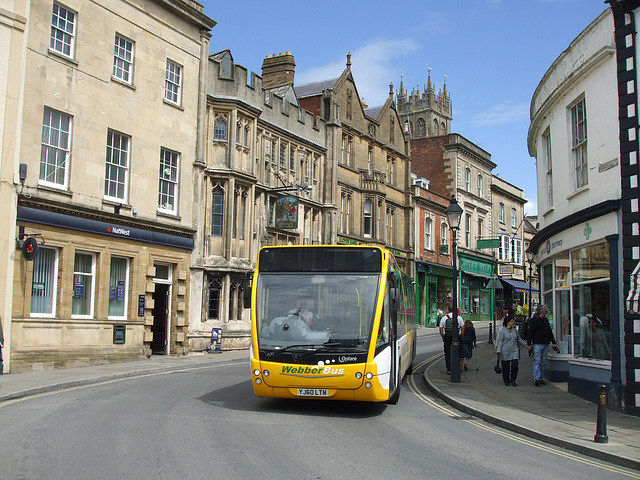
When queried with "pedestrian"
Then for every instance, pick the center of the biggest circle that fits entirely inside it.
(467, 344)
(539, 335)
(507, 348)
(446, 332)
(518, 308)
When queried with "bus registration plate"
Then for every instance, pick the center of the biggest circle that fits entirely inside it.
(313, 392)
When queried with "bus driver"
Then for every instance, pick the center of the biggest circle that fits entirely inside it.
(301, 311)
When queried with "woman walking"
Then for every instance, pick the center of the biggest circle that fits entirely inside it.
(467, 343)
(508, 349)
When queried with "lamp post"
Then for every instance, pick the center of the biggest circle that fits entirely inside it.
(530, 254)
(454, 214)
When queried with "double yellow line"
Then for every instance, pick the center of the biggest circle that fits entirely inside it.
(413, 386)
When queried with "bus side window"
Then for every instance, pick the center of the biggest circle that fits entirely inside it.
(383, 331)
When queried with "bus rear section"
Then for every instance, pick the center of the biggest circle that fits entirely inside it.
(323, 324)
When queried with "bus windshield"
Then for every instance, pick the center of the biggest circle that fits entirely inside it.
(311, 311)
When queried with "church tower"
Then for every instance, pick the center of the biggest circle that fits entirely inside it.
(428, 114)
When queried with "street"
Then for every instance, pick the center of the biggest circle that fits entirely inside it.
(206, 423)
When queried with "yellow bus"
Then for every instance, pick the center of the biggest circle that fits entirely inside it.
(331, 322)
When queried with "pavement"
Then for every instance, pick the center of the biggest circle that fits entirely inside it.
(547, 413)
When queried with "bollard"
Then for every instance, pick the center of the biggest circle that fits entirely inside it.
(601, 425)
(490, 333)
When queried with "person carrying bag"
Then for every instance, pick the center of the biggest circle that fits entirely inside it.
(507, 347)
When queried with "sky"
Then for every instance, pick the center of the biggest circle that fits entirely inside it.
(491, 54)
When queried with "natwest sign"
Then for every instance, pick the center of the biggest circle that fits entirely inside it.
(119, 231)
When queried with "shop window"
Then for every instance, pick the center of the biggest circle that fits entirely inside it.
(576, 291)
(118, 287)
(83, 285)
(44, 283)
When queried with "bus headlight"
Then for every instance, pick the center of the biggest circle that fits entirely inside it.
(369, 375)
(258, 381)
(256, 372)
(367, 384)
(265, 373)
(358, 375)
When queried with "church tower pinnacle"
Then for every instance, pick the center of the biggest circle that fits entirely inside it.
(429, 114)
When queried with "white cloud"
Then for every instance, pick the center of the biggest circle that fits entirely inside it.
(374, 67)
(501, 114)
(531, 207)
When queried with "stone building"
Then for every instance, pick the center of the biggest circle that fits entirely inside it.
(106, 142)
(508, 227)
(368, 169)
(457, 167)
(428, 114)
(261, 182)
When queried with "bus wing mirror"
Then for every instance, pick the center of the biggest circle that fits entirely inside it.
(246, 294)
(394, 299)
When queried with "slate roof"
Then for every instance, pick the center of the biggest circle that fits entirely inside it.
(373, 112)
(314, 88)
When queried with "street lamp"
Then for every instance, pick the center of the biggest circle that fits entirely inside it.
(530, 254)
(454, 214)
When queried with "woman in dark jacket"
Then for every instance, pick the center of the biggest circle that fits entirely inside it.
(467, 343)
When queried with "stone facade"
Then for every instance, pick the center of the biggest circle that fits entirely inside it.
(368, 168)
(108, 148)
(263, 152)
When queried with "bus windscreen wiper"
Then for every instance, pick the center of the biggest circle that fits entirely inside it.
(312, 347)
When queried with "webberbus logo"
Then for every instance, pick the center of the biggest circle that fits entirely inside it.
(119, 231)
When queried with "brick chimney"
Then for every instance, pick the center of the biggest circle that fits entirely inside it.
(278, 70)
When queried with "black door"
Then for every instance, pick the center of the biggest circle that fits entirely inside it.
(160, 317)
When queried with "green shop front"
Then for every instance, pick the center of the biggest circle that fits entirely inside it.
(433, 292)
(474, 299)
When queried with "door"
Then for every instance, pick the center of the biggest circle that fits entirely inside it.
(160, 319)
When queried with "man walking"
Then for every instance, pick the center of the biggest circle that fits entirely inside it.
(539, 335)
(446, 332)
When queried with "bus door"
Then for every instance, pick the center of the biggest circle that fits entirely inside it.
(394, 306)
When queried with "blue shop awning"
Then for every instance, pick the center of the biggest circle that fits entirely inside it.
(518, 285)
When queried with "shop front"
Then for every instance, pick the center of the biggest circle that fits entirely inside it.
(515, 288)
(98, 291)
(475, 300)
(583, 301)
(433, 292)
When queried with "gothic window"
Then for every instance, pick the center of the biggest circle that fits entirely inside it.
(214, 287)
(220, 129)
(217, 211)
(421, 128)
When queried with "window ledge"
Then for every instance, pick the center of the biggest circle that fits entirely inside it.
(63, 56)
(61, 190)
(173, 104)
(591, 362)
(578, 192)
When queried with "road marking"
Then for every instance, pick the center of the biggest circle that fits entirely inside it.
(413, 386)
